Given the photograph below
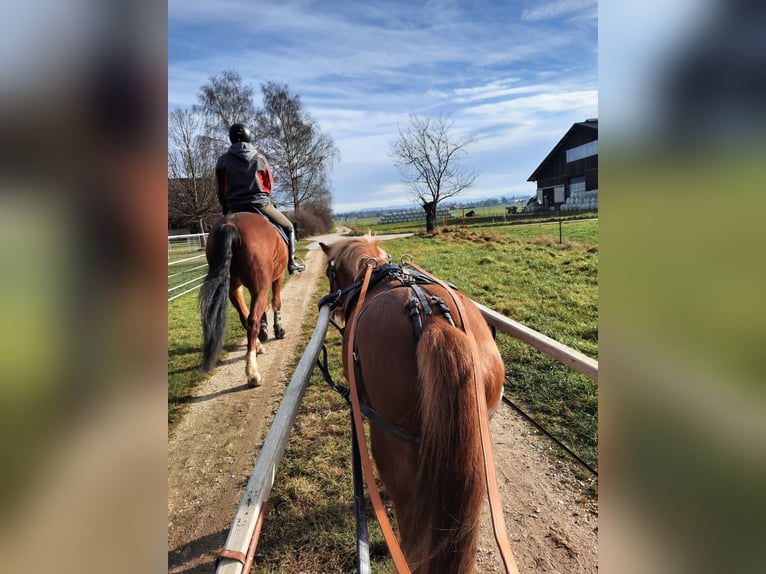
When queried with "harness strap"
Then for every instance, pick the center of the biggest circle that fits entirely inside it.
(380, 512)
(493, 494)
(421, 295)
(233, 555)
(362, 536)
(417, 321)
(438, 301)
(367, 410)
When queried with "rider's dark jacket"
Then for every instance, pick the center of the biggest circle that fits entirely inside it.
(243, 179)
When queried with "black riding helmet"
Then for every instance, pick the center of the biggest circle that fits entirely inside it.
(239, 133)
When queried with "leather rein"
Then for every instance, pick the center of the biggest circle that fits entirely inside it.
(498, 523)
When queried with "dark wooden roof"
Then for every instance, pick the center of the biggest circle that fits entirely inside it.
(591, 124)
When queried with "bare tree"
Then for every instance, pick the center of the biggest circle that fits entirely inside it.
(299, 152)
(429, 159)
(224, 101)
(191, 165)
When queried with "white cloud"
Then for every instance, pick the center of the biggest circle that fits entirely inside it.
(521, 108)
(555, 9)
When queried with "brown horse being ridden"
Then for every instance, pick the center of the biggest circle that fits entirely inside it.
(243, 250)
(415, 370)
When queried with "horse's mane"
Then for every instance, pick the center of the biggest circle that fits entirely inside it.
(352, 254)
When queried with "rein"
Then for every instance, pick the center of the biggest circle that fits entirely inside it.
(377, 503)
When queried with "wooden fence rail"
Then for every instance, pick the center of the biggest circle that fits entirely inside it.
(566, 355)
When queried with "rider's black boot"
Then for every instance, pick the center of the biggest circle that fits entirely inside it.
(292, 266)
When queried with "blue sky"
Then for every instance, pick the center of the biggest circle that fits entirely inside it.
(515, 74)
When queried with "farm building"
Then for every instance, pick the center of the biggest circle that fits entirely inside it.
(567, 178)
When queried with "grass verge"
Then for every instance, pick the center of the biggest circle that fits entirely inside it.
(310, 523)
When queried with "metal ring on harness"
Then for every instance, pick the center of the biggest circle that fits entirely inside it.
(367, 262)
(406, 258)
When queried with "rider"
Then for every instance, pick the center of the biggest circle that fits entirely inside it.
(244, 182)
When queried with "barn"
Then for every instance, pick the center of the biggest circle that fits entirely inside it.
(567, 178)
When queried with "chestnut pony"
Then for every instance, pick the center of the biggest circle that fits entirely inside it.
(423, 386)
(243, 250)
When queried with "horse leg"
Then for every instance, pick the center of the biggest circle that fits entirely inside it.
(279, 330)
(276, 304)
(237, 298)
(263, 333)
(254, 378)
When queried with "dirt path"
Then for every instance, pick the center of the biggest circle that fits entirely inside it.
(552, 524)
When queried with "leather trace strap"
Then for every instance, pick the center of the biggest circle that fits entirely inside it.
(245, 559)
(233, 555)
(380, 512)
(493, 493)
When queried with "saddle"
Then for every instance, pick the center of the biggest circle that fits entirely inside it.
(279, 229)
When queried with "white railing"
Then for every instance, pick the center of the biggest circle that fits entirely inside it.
(179, 244)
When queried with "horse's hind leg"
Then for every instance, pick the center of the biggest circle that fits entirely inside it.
(237, 298)
(254, 378)
(276, 303)
(279, 331)
(263, 332)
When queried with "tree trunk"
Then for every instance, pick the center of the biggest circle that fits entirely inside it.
(430, 208)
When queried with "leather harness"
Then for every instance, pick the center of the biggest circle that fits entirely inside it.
(420, 300)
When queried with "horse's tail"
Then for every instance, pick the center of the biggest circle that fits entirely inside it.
(450, 480)
(214, 295)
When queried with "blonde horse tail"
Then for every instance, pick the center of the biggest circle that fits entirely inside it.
(450, 480)
(214, 295)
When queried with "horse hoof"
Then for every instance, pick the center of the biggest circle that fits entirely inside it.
(255, 381)
(263, 335)
(279, 333)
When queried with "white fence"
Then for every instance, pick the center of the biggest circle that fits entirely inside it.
(179, 246)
